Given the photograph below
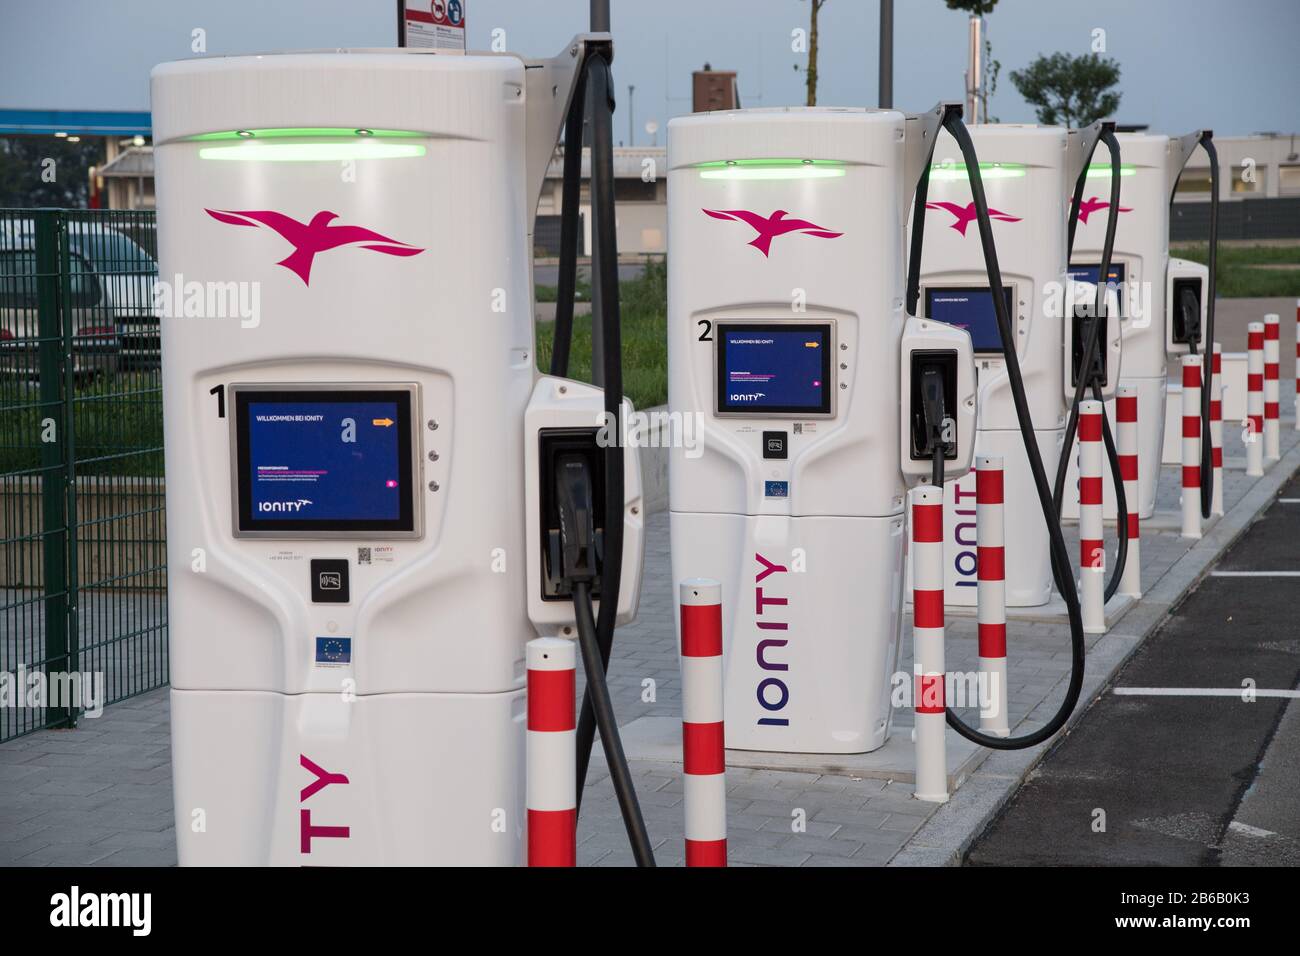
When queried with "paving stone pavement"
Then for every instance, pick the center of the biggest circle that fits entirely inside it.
(101, 794)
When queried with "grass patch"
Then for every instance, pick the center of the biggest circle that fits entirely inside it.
(643, 304)
(1243, 272)
(116, 426)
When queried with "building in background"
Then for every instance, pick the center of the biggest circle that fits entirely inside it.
(125, 181)
(1259, 190)
(640, 197)
(714, 90)
(1264, 165)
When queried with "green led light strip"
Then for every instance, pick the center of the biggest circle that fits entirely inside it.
(1102, 170)
(308, 144)
(949, 172)
(753, 169)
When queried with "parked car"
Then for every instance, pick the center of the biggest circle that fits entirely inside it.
(110, 290)
(95, 342)
(127, 274)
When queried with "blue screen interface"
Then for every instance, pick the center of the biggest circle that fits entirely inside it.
(1089, 273)
(325, 461)
(969, 309)
(774, 369)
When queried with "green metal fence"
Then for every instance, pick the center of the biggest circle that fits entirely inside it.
(83, 576)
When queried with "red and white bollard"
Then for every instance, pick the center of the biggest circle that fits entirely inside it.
(1192, 365)
(1092, 550)
(1254, 436)
(990, 550)
(927, 642)
(703, 748)
(551, 754)
(1297, 365)
(1126, 441)
(1272, 369)
(1216, 429)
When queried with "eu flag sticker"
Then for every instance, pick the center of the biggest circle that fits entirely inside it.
(333, 650)
(776, 489)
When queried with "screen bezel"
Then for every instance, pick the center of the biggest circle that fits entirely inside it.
(793, 412)
(244, 525)
(1008, 291)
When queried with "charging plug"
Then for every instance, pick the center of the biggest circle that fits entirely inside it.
(574, 499)
(931, 403)
(933, 409)
(1190, 307)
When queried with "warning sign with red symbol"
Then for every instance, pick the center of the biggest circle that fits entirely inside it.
(433, 24)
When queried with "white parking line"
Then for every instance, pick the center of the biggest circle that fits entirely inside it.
(1289, 501)
(1247, 830)
(1255, 574)
(1201, 692)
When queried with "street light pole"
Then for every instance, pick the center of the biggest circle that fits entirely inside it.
(599, 24)
(886, 54)
(973, 78)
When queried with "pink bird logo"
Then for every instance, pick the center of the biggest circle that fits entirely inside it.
(1094, 204)
(965, 215)
(769, 227)
(313, 237)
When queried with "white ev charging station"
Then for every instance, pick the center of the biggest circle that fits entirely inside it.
(788, 338)
(796, 501)
(1029, 173)
(374, 500)
(1163, 300)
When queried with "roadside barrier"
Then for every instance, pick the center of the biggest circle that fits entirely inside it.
(1255, 399)
(1216, 429)
(1272, 368)
(1092, 548)
(550, 753)
(703, 737)
(990, 549)
(927, 639)
(1126, 440)
(1192, 445)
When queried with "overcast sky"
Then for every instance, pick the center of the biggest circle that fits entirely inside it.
(1232, 65)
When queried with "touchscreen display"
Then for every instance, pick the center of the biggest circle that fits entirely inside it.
(774, 368)
(322, 461)
(970, 309)
(1088, 273)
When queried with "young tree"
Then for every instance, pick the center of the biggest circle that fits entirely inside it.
(989, 83)
(810, 72)
(976, 8)
(1069, 90)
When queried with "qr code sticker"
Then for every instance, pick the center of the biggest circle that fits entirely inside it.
(363, 555)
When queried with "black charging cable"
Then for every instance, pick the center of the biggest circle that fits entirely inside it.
(934, 420)
(1207, 369)
(1061, 572)
(1192, 331)
(606, 278)
(1090, 371)
(566, 285)
(580, 566)
(594, 73)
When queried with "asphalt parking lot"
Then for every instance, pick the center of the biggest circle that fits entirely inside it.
(1175, 763)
